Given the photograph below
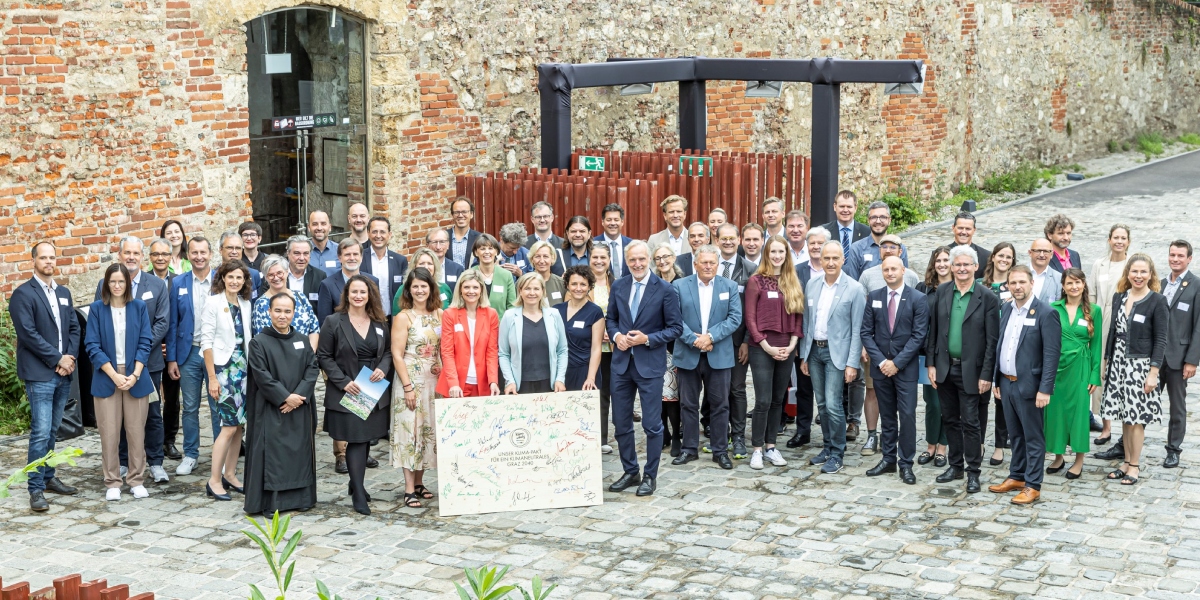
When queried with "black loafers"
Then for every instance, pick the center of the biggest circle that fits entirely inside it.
(647, 487)
(627, 480)
(723, 460)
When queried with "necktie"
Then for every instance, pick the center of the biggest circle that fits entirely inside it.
(846, 241)
(614, 259)
(892, 304)
(637, 299)
(728, 270)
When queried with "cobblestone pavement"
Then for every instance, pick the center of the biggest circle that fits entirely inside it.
(778, 533)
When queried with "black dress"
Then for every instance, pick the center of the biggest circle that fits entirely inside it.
(579, 343)
(346, 426)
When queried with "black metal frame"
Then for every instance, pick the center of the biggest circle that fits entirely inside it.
(557, 80)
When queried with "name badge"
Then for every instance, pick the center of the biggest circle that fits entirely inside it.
(868, 256)
(1183, 306)
(148, 295)
(723, 296)
(182, 291)
(330, 264)
(499, 289)
(1006, 296)
(810, 301)
(298, 345)
(379, 331)
(776, 295)
(314, 296)
(741, 289)
(458, 327)
(1139, 318)
(452, 278)
(520, 263)
(437, 330)
(1030, 322)
(876, 304)
(443, 297)
(578, 324)
(556, 295)
(62, 301)
(1083, 322)
(398, 279)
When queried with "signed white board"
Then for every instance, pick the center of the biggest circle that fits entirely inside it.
(523, 452)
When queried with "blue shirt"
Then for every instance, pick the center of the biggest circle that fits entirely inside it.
(327, 259)
(570, 260)
(458, 247)
(864, 254)
(520, 258)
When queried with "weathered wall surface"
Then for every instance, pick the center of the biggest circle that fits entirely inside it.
(119, 115)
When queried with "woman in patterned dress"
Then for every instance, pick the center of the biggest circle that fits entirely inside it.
(1105, 273)
(304, 320)
(1136, 346)
(225, 341)
(665, 267)
(417, 329)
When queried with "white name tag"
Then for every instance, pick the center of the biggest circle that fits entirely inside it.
(298, 345)
(723, 296)
(1139, 318)
(521, 263)
(1006, 296)
(452, 278)
(741, 289)
(876, 304)
(330, 263)
(437, 330)
(62, 301)
(458, 327)
(379, 331)
(314, 296)
(556, 295)
(1083, 322)
(775, 295)
(499, 289)
(148, 295)
(1183, 306)
(182, 291)
(810, 301)
(1030, 322)
(443, 297)
(868, 256)
(578, 324)
(397, 279)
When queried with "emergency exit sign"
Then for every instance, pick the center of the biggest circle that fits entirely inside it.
(695, 165)
(591, 163)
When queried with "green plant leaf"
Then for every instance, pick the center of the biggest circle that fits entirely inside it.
(462, 594)
(290, 548)
(287, 579)
(499, 592)
(255, 594)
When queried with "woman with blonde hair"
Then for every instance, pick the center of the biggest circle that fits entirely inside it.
(774, 323)
(424, 258)
(1106, 272)
(533, 342)
(665, 268)
(470, 354)
(542, 256)
(602, 274)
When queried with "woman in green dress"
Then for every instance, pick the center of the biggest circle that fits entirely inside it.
(1068, 416)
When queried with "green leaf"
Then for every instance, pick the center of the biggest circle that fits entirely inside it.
(287, 579)
(499, 592)
(255, 594)
(462, 594)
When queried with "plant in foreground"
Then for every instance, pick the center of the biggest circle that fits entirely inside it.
(52, 459)
(485, 585)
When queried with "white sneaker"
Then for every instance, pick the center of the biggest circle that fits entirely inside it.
(606, 449)
(775, 458)
(756, 460)
(124, 472)
(140, 491)
(159, 474)
(112, 494)
(185, 466)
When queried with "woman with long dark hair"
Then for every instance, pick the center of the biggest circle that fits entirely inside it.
(172, 231)
(1068, 416)
(225, 335)
(417, 330)
(937, 272)
(995, 274)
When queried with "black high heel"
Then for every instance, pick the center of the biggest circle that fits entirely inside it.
(229, 486)
(350, 492)
(1104, 440)
(211, 494)
(1053, 470)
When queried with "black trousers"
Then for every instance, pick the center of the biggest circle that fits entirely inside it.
(961, 417)
(716, 390)
(737, 399)
(170, 409)
(1177, 395)
(605, 394)
(805, 407)
(1002, 437)
(897, 397)
(1028, 435)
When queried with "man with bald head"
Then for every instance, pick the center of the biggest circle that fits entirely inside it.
(359, 218)
(1047, 285)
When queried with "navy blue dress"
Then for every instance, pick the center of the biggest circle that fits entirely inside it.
(579, 343)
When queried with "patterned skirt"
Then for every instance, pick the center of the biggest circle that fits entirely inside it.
(231, 381)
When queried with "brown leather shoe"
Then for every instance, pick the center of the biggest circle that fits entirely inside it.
(1027, 496)
(1009, 485)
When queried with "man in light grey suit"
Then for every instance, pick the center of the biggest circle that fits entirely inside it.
(1047, 284)
(674, 210)
(831, 348)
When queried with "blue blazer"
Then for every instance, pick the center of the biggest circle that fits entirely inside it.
(658, 317)
(684, 262)
(37, 335)
(182, 319)
(512, 327)
(1038, 349)
(101, 346)
(397, 269)
(724, 318)
(331, 293)
(906, 342)
(1076, 261)
(844, 330)
(625, 240)
(153, 292)
(451, 270)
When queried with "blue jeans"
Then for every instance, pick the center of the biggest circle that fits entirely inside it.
(828, 382)
(47, 399)
(193, 381)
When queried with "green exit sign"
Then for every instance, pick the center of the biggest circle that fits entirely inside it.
(591, 163)
(695, 165)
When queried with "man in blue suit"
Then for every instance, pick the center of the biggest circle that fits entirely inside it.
(388, 267)
(152, 291)
(643, 316)
(438, 241)
(1023, 380)
(330, 294)
(831, 349)
(704, 354)
(185, 362)
(613, 223)
(47, 340)
(893, 334)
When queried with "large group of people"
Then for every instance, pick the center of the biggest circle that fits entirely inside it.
(829, 322)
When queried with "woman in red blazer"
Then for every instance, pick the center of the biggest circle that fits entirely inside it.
(470, 352)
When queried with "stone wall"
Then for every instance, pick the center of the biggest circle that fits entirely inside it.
(119, 115)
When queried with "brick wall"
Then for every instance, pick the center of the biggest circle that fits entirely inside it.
(915, 125)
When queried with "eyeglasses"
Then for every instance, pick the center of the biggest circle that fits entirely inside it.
(231, 248)
(542, 217)
(461, 213)
(728, 239)
(1039, 251)
(438, 242)
(160, 255)
(249, 234)
(662, 258)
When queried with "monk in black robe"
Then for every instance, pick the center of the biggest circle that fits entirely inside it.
(281, 416)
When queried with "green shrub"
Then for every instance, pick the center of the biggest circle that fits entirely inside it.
(906, 210)
(14, 407)
(1113, 146)
(1150, 144)
(1026, 179)
(1191, 139)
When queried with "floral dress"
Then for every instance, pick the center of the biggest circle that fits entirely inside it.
(231, 378)
(414, 435)
(303, 318)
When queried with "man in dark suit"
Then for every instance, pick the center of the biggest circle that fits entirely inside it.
(1182, 290)
(960, 356)
(613, 237)
(387, 266)
(805, 408)
(643, 316)
(302, 276)
(160, 262)
(47, 332)
(893, 334)
(231, 251)
(739, 270)
(697, 235)
(185, 361)
(843, 228)
(1058, 230)
(153, 292)
(438, 241)
(1026, 366)
(542, 215)
(462, 237)
(964, 234)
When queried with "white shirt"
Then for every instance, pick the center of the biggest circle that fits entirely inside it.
(1012, 338)
(118, 317)
(757, 260)
(52, 298)
(814, 272)
(677, 243)
(1039, 280)
(201, 290)
(296, 284)
(443, 277)
(769, 233)
(379, 268)
(471, 379)
(616, 255)
(824, 306)
(706, 297)
(799, 257)
(730, 262)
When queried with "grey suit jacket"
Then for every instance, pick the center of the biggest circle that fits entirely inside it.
(844, 329)
(1183, 323)
(1052, 289)
(664, 235)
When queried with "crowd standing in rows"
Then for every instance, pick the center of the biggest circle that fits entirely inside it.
(828, 318)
